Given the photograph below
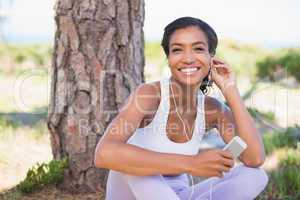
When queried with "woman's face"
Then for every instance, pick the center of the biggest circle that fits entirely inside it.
(189, 58)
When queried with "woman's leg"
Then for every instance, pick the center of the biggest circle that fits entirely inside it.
(240, 183)
(150, 187)
(121, 186)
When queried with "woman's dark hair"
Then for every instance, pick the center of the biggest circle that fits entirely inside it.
(184, 22)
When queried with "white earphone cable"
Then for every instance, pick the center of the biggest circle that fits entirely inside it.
(185, 132)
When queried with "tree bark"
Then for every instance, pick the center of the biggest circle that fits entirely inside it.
(98, 60)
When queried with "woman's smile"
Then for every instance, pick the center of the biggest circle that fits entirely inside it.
(189, 71)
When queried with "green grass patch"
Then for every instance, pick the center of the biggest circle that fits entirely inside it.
(42, 175)
(284, 182)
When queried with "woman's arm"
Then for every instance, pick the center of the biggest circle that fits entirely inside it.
(237, 119)
(134, 160)
(254, 155)
(112, 151)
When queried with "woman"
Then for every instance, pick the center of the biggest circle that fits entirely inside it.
(152, 145)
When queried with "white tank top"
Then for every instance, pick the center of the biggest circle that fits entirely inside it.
(154, 135)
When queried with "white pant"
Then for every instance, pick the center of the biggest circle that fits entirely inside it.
(240, 183)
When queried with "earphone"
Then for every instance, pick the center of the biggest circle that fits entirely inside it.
(209, 74)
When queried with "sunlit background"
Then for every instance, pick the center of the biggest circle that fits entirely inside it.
(260, 39)
(268, 23)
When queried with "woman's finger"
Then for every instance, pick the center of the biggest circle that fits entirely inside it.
(223, 168)
(218, 61)
(223, 66)
(228, 162)
(226, 154)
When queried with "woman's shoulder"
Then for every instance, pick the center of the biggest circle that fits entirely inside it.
(149, 90)
(148, 94)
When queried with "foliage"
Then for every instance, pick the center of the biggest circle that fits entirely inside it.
(287, 60)
(270, 116)
(12, 56)
(153, 51)
(7, 124)
(42, 175)
(242, 57)
(288, 138)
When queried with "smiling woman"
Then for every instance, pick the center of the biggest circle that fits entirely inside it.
(153, 144)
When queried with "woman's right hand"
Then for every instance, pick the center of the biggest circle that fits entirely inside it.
(212, 162)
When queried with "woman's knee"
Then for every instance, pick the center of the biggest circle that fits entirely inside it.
(117, 188)
(255, 174)
(256, 179)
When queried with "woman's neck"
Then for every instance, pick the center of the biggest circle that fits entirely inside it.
(185, 95)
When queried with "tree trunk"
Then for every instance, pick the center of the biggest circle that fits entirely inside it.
(98, 60)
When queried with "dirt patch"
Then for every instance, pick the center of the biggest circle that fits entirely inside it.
(49, 193)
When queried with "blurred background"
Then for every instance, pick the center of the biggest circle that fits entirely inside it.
(259, 39)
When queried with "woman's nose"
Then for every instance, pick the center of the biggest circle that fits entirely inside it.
(189, 58)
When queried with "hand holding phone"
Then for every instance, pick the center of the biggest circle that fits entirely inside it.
(236, 146)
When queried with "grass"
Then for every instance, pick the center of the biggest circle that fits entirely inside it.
(21, 146)
(15, 57)
(42, 175)
(284, 182)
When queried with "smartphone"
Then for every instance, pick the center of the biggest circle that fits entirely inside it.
(236, 146)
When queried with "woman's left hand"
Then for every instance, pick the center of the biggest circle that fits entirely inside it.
(222, 74)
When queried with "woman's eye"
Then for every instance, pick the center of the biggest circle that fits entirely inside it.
(176, 50)
(200, 49)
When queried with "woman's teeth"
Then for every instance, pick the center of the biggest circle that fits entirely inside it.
(189, 71)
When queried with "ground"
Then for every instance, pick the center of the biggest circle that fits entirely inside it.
(50, 193)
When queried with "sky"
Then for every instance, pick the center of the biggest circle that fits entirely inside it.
(271, 23)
